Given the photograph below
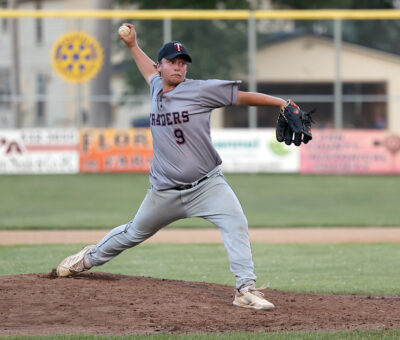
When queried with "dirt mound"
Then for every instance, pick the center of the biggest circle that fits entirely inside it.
(101, 303)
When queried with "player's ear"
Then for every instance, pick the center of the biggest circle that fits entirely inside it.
(158, 67)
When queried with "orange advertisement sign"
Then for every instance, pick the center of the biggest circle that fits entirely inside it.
(115, 150)
(351, 151)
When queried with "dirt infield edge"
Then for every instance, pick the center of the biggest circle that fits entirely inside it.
(264, 235)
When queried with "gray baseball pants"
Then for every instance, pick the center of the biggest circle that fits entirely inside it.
(212, 199)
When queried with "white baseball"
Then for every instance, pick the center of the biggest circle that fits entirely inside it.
(124, 31)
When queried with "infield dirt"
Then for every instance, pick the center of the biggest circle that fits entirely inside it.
(102, 303)
(263, 235)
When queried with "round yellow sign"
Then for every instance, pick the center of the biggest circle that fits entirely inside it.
(77, 57)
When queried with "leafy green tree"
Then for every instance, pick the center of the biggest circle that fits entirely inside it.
(190, 4)
(378, 34)
(217, 47)
(334, 4)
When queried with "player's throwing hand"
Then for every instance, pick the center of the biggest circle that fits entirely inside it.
(129, 39)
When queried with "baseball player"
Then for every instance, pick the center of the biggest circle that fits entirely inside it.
(185, 177)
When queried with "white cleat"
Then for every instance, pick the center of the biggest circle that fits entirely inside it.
(253, 299)
(73, 264)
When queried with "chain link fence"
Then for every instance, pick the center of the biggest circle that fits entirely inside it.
(317, 58)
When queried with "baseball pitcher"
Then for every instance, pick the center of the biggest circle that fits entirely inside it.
(185, 177)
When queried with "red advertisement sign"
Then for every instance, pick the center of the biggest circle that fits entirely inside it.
(352, 152)
(115, 150)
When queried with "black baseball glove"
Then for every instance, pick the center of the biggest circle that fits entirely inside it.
(294, 125)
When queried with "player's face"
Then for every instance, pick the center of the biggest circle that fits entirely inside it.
(173, 71)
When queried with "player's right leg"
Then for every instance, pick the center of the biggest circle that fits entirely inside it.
(215, 201)
(158, 209)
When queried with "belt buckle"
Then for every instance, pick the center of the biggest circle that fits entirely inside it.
(191, 185)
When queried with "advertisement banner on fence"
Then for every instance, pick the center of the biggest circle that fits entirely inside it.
(254, 150)
(115, 150)
(351, 151)
(39, 151)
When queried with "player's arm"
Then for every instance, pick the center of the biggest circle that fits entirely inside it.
(259, 99)
(145, 65)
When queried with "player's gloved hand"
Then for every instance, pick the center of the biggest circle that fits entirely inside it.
(294, 125)
(307, 120)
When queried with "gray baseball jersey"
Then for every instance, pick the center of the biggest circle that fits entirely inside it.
(180, 125)
(183, 154)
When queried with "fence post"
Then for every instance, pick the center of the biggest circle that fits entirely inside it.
(167, 30)
(100, 108)
(15, 69)
(338, 105)
(252, 79)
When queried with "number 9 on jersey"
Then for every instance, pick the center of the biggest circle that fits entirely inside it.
(179, 136)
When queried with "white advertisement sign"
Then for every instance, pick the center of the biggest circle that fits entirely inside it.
(39, 151)
(254, 150)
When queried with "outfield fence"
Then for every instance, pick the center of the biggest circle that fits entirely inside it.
(68, 68)
(106, 150)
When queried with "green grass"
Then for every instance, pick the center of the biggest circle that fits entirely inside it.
(356, 335)
(340, 268)
(269, 200)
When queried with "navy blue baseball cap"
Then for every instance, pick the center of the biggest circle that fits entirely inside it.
(173, 49)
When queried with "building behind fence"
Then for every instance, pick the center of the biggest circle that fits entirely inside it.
(352, 86)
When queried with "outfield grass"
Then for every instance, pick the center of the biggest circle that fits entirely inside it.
(340, 268)
(269, 200)
(356, 335)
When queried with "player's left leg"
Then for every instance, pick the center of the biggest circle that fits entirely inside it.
(158, 209)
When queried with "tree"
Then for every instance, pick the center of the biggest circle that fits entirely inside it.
(377, 34)
(217, 47)
(334, 4)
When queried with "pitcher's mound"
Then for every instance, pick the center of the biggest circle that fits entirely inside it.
(102, 303)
